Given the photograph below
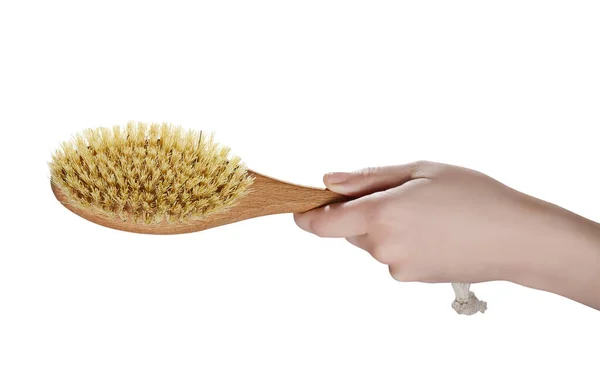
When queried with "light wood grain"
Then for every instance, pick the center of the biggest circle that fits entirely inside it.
(267, 196)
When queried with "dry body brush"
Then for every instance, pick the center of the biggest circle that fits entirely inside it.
(162, 179)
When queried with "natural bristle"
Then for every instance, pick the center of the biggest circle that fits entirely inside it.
(149, 173)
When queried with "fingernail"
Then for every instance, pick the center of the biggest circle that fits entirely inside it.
(337, 177)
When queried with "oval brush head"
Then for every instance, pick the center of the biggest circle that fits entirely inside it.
(148, 174)
(161, 179)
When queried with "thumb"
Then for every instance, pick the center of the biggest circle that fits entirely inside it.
(369, 180)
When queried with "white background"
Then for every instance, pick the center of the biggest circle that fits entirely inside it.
(297, 89)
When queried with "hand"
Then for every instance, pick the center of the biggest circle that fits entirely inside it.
(432, 222)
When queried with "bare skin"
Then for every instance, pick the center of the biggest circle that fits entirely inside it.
(432, 222)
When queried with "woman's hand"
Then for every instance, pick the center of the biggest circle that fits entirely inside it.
(432, 222)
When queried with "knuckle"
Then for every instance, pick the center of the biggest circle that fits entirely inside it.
(369, 171)
(421, 168)
(399, 274)
(422, 163)
(431, 169)
(403, 268)
(382, 254)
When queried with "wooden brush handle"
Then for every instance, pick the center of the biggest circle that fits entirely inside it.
(267, 196)
(274, 196)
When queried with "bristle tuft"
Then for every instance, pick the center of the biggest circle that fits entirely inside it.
(149, 173)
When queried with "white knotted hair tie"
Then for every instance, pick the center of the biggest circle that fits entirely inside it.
(466, 302)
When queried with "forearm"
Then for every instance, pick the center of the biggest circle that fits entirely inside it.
(564, 258)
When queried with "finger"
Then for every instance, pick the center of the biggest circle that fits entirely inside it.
(361, 241)
(399, 274)
(370, 180)
(347, 219)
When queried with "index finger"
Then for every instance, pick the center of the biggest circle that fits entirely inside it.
(346, 219)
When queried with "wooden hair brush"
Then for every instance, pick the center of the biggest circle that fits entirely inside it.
(160, 179)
